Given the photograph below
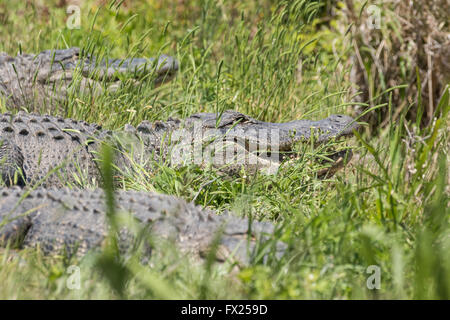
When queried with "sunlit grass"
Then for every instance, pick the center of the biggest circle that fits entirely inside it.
(388, 208)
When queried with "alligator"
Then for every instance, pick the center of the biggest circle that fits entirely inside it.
(37, 81)
(54, 151)
(74, 222)
(48, 153)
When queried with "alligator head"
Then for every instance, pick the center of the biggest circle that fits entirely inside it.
(232, 140)
(43, 79)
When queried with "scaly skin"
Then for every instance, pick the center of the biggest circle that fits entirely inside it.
(33, 145)
(42, 80)
(56, 151)
(75, 221)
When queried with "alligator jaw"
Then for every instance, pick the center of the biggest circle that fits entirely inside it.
(239, 139)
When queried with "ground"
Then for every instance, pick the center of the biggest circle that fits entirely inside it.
(385, 214)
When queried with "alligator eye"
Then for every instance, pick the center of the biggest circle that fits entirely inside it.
(143, 128)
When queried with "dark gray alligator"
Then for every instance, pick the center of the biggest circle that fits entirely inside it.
(54, 152)
(57, 151)
(44, 79)
(64, 221)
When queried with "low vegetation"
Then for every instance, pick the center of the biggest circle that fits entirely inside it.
(386, 211)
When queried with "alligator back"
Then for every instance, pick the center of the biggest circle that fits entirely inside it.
(49, 144)
(75, 221)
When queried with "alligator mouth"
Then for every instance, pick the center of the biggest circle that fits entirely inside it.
(338, 160)
(328, 163)
(262, 156)
(237, 139)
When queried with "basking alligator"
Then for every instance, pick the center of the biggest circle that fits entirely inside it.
(32, 145)
(75, 221)
(59, 151)
(44, 79)
(54, 151)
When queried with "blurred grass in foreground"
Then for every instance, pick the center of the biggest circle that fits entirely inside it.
(277, 62)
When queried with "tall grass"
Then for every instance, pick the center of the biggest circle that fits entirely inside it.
(272, 60)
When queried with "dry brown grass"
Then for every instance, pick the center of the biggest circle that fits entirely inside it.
(414, 35)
